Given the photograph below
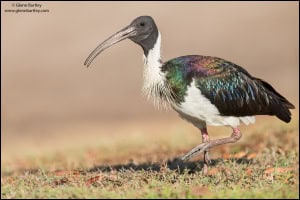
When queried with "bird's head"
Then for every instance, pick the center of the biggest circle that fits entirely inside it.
(141, 30)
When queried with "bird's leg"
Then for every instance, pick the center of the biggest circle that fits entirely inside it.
(235, 136)
(205, 138)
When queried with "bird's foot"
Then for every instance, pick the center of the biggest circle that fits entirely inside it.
(236, 135)
(196, 151)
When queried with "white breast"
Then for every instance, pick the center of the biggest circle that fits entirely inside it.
(154, 78)
(198, 106)
(195, 104)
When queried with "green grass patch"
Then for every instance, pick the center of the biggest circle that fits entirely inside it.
(264, 164)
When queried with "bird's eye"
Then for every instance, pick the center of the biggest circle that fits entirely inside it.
(142, 24)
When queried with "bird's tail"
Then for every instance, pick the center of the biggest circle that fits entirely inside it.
(280, 106)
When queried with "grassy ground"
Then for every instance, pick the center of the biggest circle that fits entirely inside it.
(264, 164)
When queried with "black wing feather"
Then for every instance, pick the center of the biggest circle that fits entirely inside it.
(236, 93)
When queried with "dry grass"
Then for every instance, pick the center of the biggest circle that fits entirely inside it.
(264, 164)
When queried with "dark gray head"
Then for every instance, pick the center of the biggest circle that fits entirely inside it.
(142, 31)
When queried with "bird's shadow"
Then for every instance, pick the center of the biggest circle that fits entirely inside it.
(175, 164)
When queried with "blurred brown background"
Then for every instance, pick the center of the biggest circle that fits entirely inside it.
(47, 92)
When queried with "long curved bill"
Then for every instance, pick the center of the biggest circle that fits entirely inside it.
(115, 38)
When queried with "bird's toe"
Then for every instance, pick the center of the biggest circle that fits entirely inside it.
(196, 151)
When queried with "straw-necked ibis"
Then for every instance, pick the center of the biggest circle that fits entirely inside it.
(204, 90)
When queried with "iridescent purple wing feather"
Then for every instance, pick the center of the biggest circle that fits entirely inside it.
(228, 86)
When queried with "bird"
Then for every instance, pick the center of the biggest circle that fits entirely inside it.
(203, 90)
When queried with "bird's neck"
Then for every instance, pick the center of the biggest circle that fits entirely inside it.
(154, 86)
(152, 64)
